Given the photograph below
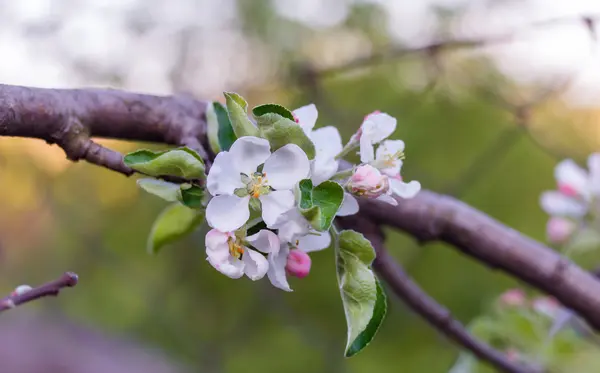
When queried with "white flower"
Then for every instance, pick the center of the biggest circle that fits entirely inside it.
(327, 141)
(576, 188)
(231, 256)
(388, 159)
(375, 128)
(547, 306)
(233, 180)
(289, 258)
(558, 230)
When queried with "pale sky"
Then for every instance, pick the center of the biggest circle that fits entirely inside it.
(94, 32)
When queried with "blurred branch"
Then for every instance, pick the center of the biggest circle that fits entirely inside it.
(433, 49)
(52, 288)
(419, 301)
(71, 117)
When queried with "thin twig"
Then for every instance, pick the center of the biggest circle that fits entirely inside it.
(53, 288)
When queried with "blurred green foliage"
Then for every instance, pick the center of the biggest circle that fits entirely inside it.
(58, 216)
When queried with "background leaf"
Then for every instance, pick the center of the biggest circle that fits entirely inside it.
(212, 124)
(173, 223)
(281, 131)
(320, 204)
(181, 162)
(238, 116)
(164, 189)
(363, 299)
(192, 197)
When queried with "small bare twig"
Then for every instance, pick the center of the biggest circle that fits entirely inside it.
(68, 279)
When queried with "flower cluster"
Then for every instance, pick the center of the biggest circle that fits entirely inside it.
(255, 188)
(543, 305)
(575, 201)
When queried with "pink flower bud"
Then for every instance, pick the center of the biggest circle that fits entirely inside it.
(558, 230)
(368, 181)
(298, 263)
(513, 298)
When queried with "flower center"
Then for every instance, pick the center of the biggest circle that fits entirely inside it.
(257, 184)
(236, 250)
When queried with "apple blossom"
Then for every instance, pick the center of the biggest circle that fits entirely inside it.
(547, 306)
(388, 159)
(367, 181)
(576, 188)
(231, 255)
(298, 263)
(327, 141)
(375, 128)
(234, 181)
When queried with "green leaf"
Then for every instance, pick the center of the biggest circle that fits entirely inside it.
(163, 189)
(180, 162)
(363, 299)
(272, 108)
(238, 116)
(320, 204)
(281, 131)
(368, 334)
(212, 124)
(226, 135)
(192, 197)
(173, 223)
(466, 363)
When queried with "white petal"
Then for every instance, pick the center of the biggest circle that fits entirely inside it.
(274, 204)
(378, 127)
(556, 203)
(307, 117)
(387, 199)
(255, 264)
(248, 152)
(594, 168)
(264, 241)
(405, 190)
(286, 167)
(314, 241)
(230, 267)
(216, 242)
(367, 153)
(327, 140)
(227, 212)
(349, 205)
(276, 273)
(389, 147)
(223, 177)
(569, 173)
(290, 225)
(322, 169)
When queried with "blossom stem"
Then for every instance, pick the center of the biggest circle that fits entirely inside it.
(342, 174)
(350, 146)
(253, 222)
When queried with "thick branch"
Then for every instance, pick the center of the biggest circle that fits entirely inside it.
(69, 117)
(420, 302)
(52, 288)
(430, 217)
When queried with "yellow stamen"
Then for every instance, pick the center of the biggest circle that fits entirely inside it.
(235, 249)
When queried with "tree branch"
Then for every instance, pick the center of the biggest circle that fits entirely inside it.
(71, 117)
(420, 302)
(52, 288)
(433, 217)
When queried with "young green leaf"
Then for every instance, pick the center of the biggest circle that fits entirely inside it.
(180, 162)
(281, 131)
(226, 136)
(212, 125)
(173, 223)
(238, 116)
(363, 299)
(192, 196)
(163, 189)
(320, 204)
(272, 108)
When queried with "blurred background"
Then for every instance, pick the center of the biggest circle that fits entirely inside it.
(489, 95)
